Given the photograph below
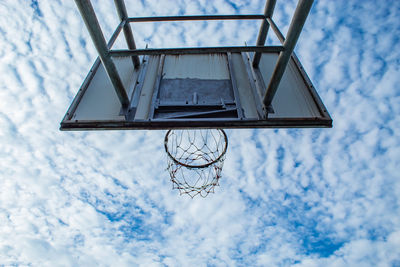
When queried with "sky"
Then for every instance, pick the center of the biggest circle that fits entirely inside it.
(287, 197)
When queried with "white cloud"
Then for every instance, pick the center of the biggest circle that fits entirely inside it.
(287, 197)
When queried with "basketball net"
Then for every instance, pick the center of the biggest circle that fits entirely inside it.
(195, 159)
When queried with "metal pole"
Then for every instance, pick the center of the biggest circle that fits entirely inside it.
(296, 25)
(123, 15)
(92, 24)
(197, 17)
(262, 35)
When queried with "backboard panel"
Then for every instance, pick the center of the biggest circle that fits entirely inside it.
(208, 90)
(193, 86)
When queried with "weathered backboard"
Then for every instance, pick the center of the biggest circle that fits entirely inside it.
(213, 87)
(216, 90)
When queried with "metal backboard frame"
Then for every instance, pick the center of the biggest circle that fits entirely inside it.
(250, 86)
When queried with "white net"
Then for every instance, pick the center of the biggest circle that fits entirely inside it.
(195, 159)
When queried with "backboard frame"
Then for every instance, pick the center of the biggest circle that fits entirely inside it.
(107, 57)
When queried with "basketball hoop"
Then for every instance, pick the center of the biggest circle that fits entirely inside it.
(195, 159)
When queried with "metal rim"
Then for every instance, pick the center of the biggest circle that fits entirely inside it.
(196, 166)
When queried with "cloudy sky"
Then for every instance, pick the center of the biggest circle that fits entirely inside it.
(298, 197)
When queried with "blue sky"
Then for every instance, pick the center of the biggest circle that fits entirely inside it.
(288, 197)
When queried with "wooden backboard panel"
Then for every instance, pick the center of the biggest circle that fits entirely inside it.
(215, 90)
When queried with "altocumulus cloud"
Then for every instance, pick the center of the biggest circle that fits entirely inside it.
(288, 197)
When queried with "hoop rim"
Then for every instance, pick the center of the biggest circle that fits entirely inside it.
(196, 166)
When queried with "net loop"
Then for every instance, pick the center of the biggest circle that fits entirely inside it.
(195, 159)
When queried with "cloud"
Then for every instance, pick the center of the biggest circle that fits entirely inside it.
(302, 197)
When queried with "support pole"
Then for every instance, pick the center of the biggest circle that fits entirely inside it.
(262, 35)
(130, 41)
(296, 25)
(92, 24)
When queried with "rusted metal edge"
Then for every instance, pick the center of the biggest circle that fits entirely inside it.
(196, 123)
(196, 50)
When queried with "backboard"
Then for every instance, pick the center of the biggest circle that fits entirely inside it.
(210, 87)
